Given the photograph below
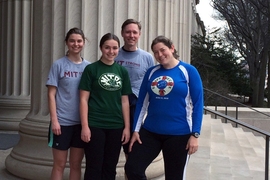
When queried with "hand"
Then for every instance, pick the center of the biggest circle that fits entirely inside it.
(135, 137)
(125, 136)
(56, 128)
(86, 134)
(192, 145)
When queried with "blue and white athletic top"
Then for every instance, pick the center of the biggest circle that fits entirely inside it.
(172, 99)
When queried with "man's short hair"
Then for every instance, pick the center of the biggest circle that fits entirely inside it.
(131, 21)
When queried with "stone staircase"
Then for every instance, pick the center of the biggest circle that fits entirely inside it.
(227, 153)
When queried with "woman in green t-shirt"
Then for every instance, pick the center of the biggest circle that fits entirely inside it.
(104, 110)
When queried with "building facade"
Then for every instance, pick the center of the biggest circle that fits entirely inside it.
(32, 36)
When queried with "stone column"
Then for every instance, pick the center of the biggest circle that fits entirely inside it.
(172, 19)
(31, 158)
(15, 62)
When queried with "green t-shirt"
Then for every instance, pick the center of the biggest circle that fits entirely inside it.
(106, 83)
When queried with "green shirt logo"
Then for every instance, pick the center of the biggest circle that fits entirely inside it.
(110, 81)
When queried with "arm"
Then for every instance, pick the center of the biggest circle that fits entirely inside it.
(84, 97)
(125, 110)
(141, 109)
(196, 93)
(52, 108)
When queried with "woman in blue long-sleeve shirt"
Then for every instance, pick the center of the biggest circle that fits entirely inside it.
(171, 95)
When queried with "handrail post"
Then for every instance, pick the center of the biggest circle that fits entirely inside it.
(236, 114)
(215, 110)
(226, 112)
(266, 157)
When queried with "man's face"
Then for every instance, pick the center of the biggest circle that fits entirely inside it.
(131, 34)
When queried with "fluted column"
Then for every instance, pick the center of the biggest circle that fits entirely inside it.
(15, 62)
(186, 25)
(31, 158)
(173, 19)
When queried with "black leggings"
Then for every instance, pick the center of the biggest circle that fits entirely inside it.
(102, 154)
(174, 152)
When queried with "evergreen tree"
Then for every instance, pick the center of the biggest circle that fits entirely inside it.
(221, 69)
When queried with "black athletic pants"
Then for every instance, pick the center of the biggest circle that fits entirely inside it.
(102, 154)
(174, 152)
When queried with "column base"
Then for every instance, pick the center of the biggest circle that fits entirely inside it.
(32, 159)
(12, 111)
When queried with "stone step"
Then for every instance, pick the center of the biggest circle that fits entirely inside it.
(226, 152)
(257, 142)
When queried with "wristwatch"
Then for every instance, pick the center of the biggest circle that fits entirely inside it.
(195, 134)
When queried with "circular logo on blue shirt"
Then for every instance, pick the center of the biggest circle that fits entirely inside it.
(162, 85)
(110, 81)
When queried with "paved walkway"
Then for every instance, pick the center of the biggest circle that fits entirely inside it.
(4, 174)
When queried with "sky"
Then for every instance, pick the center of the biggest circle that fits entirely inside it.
(205, 11)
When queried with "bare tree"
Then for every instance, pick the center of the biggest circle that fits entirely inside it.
(248, 30)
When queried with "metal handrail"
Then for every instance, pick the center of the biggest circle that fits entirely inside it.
(248, 126)
(238, 104)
